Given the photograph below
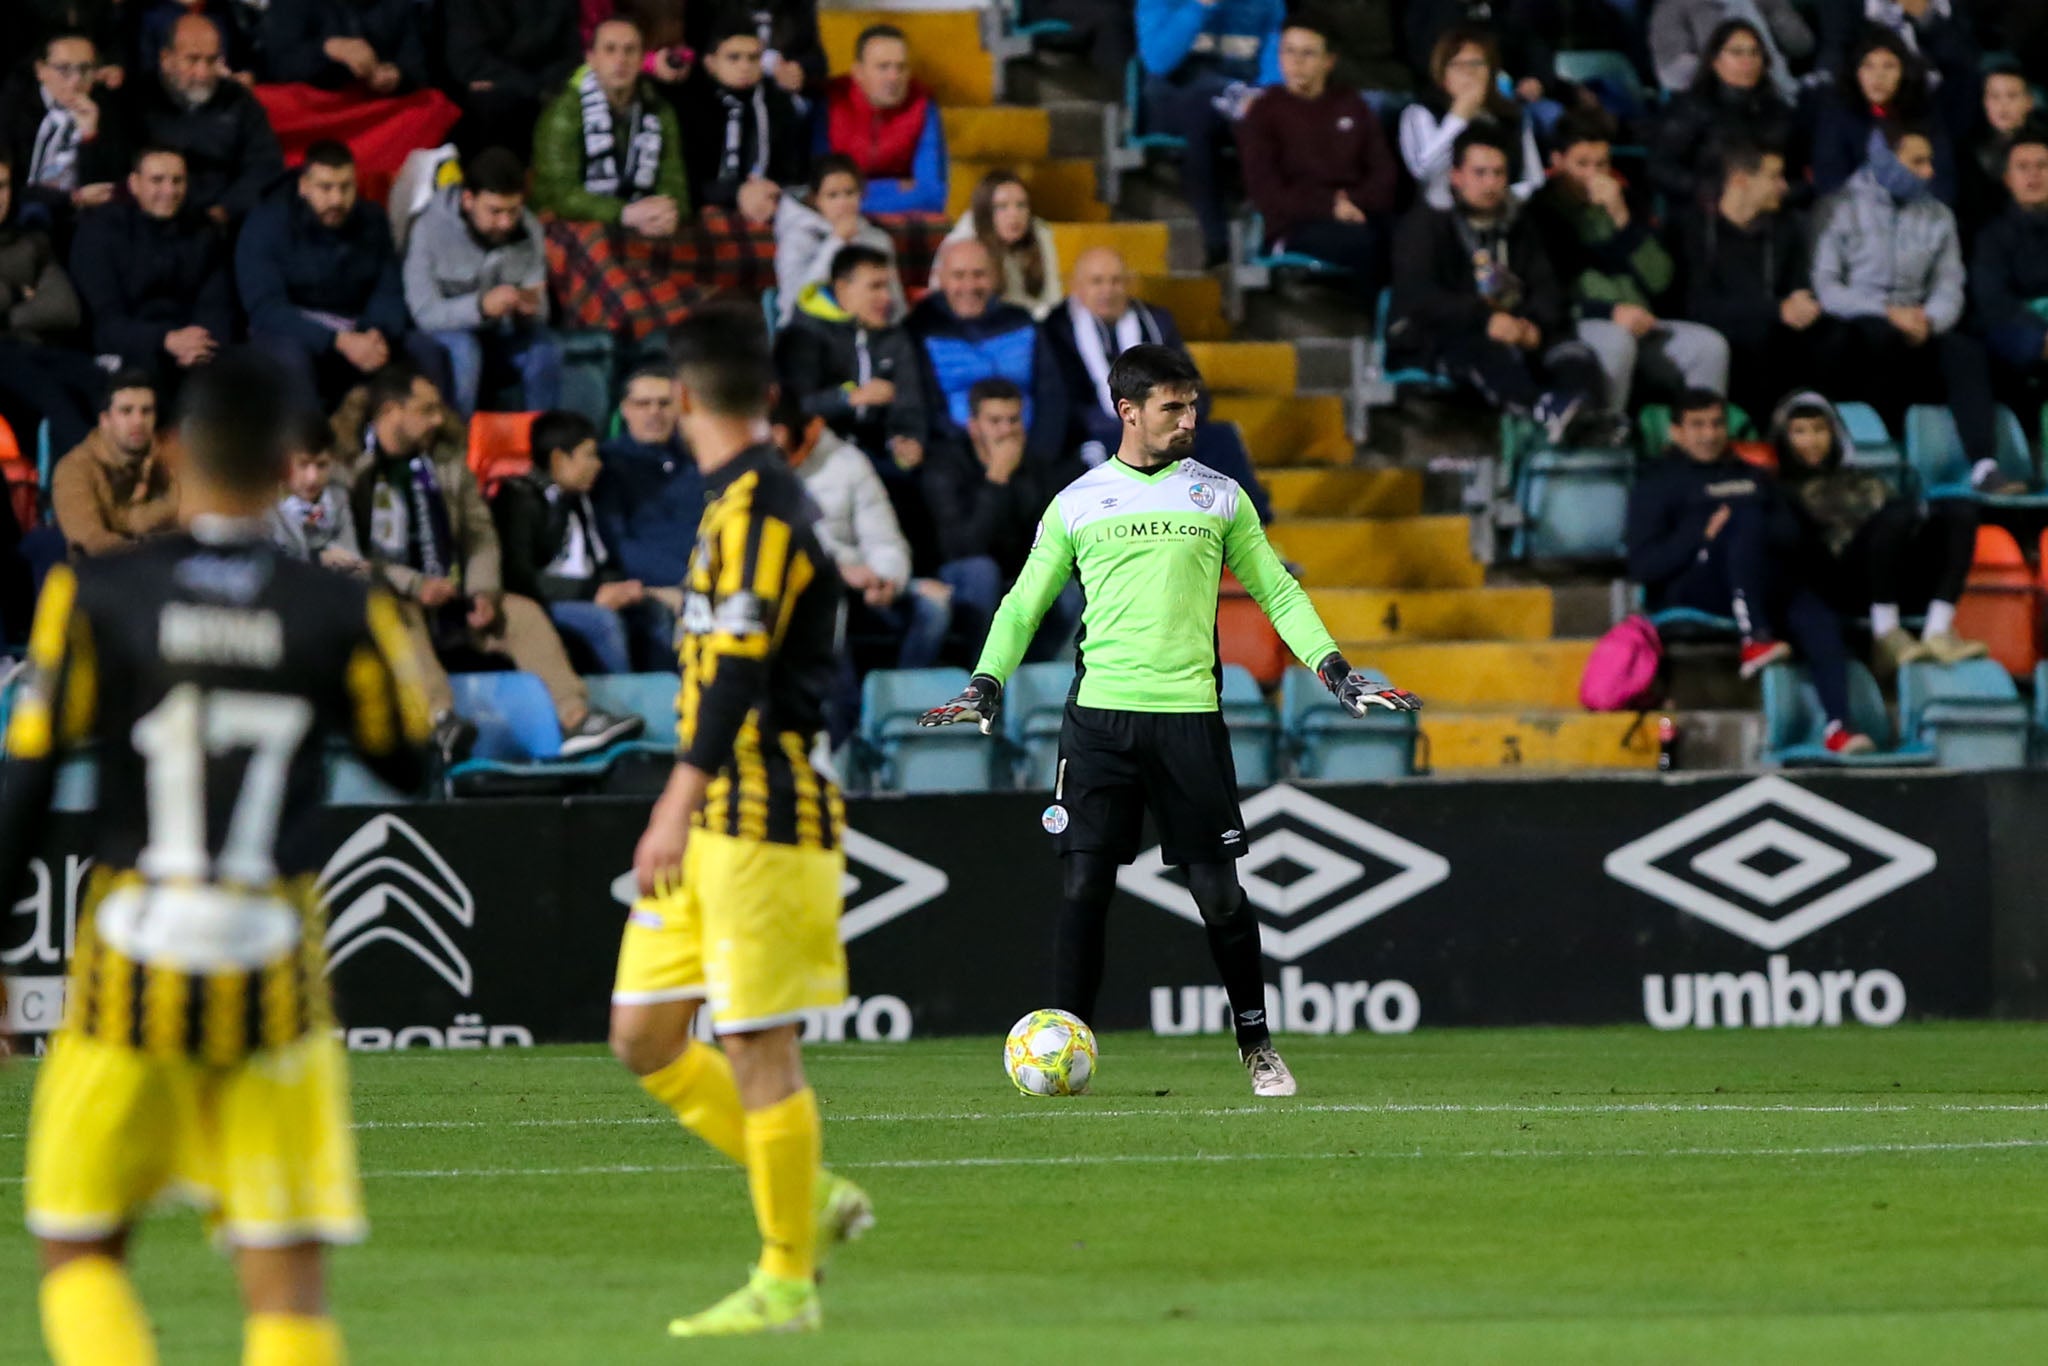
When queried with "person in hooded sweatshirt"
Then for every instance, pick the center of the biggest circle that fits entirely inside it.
(844, 360)
(2009, 273)
(1887, 261)
(1708, 532)
(1866, 549)
(809, 234)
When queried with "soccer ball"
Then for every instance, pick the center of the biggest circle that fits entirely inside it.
(1050, 1053)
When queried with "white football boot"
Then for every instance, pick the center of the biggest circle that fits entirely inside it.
(1270, 1076)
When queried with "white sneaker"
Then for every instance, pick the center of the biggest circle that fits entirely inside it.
(1270, 1076)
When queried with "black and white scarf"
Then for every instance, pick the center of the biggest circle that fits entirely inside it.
(54, 163)
(583, 553)
(409, 519)
(733, 165)
(606, 168)
(1100, 345)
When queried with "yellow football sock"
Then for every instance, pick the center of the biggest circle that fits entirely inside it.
(699, 1087)
(784, 1144)
(91, 1316)
(291, 1340)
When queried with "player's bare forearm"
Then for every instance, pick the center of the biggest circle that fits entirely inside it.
(658, 860)
(683, 797)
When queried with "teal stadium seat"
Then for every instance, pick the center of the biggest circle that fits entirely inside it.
(1970, 714)
(898, 756)
(351, 783)
(1794, 723)
(1876, 449)
(649, 696)
(1329, 743)
(1935, 451)
(1254, 730)
(1573, 501)
(588, 362)
(1034, 705)
(1412, 377)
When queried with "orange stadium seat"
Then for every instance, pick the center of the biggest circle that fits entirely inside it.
(2001, 604)
(500, 446)
(1246, 638)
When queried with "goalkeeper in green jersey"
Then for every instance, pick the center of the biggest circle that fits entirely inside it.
(1150, 533)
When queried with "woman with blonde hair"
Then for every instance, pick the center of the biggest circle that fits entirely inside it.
(1017, 239)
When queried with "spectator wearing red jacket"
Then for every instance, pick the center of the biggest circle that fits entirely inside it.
(888, 122)
(1317, 163)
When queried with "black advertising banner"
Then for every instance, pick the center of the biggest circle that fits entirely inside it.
(1683, 903)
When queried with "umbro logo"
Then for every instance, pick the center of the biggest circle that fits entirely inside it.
(1109, 502)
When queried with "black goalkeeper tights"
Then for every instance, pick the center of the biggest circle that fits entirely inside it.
(1226, 915)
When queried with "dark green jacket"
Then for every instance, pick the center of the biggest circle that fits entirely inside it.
(558, 159)
(1600, 265)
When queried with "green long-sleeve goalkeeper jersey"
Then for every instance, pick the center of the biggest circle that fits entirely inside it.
(1150, 547)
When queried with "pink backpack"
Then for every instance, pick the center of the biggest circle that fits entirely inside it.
(1623, 672)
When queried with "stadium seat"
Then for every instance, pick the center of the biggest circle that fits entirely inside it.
(1794, 723)
(500, 446)
(1252, 264)
(1034, 705)
(1612, 78)
(1125, 139)
(898, 756)
(1574, 504)
(1935, 452)
(78, 784)
(1412, 377)
(351, 783)
(1876, 449)
(24, 486)
(513, 715)
(1254, 730)
(649, 696)
(1245, 636)
(1327, 742)
(2001, 603)
(588, 360)
(1969, 714)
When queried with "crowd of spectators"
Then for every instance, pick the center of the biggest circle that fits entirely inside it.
(1848, 198)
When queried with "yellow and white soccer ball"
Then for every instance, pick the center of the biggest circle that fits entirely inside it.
(1050, 1053)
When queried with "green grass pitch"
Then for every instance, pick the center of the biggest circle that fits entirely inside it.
(1532, 1196)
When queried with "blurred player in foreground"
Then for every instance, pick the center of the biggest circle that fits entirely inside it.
(740, 868)
(197, 1052)
(1150, 533)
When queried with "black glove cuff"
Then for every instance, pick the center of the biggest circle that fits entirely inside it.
(986, 687)
(1333, 671)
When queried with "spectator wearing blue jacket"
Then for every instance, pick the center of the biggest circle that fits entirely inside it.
(1203, 61)
(969, 335)
(320, 279)
(650, 496)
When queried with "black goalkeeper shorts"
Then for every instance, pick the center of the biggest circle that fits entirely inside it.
(1115, 764)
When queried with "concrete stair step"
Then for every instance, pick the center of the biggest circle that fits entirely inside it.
(1380, 617)
(1248, 367)
(1061, 191)
(1554, 740)
(945, 49)
(1196, 302)
(999, 132)
(1343, 492)
(1145, 246)
(1506, 676)
(1411, 552)
(1287, 432)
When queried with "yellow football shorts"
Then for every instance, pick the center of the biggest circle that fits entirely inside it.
(753, 930)
(264, 1146)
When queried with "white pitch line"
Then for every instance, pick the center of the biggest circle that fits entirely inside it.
(1175, 1159)
(1071, 1111)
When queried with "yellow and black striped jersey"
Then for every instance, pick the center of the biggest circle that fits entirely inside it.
(760, 640)
(209, 675)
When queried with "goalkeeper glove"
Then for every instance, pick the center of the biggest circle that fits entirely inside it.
(1357, 690)
(982, 700)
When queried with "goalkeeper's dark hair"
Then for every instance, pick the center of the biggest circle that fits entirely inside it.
(238, 422)
(722, 357)
(1142, 369)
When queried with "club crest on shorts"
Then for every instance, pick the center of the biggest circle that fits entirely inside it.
(1054, 820)
(1202, 496)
